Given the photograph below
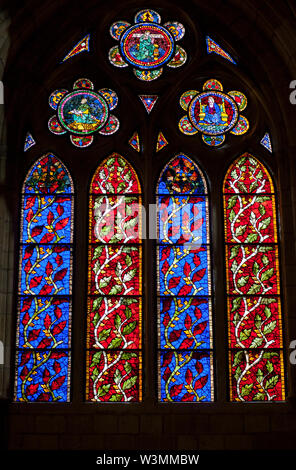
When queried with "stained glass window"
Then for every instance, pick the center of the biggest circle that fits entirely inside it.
(44, 301)
(114, 357)
(184, 285)
(253, 283)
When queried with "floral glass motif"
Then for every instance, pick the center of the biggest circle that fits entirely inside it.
(256, 366)
(45, 284)
(184, 285)
(213, 113)
(83, 112)
(147, 45)
(114, 319)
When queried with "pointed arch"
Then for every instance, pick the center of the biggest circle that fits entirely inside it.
(184, 284)
(45, 284)
(114, 320)
(256, 366)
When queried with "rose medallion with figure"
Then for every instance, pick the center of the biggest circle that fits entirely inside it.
(83, 112)
(147, 45)
(213, 113)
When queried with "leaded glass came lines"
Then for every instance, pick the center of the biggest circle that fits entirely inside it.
(45, 284)
(256, 368)
(114, 321)
(185, 341)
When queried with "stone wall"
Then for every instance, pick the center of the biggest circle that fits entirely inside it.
(154, 428)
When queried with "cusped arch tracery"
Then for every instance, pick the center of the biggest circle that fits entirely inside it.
(43, 355)
(256, 364)
(184, 284)
(114, 319)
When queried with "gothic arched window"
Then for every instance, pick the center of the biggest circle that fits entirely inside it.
(45, 284)
(114, 322)
(184, 284)
(167, 110)
(253, 283)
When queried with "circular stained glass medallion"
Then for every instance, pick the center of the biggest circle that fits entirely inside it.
(241, 127)
(147, 46)
(148, 75)
(83, 112)
(213, 113)
(115, 57)
(179, 58)
(212, 84)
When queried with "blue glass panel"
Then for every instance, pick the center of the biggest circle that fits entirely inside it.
(47, 219)
(183, 271)
(182, 219)
(43, 375)
(184, 284)
(213, 47)
(266, 142)
(185, 323)
(186, 376)
(181, 176)
(45, 277)
(29, 142)
(44, 322)
(45, 269)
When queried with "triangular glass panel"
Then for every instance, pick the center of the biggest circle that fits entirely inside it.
(29, 142)
(81, 46)
(161, 142)
(213, 46)
(148, 101)
(266, 142)
(135, 141)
